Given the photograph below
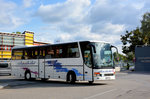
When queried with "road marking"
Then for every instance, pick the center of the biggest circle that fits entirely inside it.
(100, 94)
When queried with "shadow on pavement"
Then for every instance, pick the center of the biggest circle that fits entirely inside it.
(139, 72)
(46, 84)
(135, 72)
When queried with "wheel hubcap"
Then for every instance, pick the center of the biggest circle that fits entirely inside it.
(70, 77)
(28, 76)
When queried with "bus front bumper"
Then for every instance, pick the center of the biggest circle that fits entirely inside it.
(104, 78)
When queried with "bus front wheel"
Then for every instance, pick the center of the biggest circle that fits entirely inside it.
(27, 75)
(71, 78)
(44, 79)
(90, 82)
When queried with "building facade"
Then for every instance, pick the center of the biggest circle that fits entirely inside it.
(9, 40)
(142, 58)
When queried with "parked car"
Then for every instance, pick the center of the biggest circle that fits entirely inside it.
(132, 68)
(5, 68)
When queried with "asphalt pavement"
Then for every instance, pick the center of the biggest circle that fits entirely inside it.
(6, 80)
(128, 85)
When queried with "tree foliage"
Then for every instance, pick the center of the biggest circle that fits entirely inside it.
(139, 36)
(17, 32)
(145, 28)
(130, 40)
(119, 57)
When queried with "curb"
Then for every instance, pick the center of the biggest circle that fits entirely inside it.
(2, 86)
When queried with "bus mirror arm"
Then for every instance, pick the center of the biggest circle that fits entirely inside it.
(115, 48)
(94, 49)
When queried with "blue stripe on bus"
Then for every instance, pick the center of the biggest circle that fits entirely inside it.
(58, 67)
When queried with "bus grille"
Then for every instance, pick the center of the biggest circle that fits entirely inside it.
(108, 74)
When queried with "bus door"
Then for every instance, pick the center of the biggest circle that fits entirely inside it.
(41, 68)
(88, 71)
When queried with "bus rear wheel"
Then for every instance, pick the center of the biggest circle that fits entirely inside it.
(27, 75)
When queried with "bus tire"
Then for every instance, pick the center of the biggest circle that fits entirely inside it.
(27, 75)
(44, 79)
(90, 82)
(71, 78)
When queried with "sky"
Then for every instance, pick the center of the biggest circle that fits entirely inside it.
(73, 20)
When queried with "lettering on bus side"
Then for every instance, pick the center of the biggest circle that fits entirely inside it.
(58, 67)
(106, 71)
(26, 62)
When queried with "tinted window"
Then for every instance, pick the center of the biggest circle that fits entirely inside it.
(63, 51)
(17, 54)
(42, 53)
(59, 51)
(55, 51)
(72, 50)
(31, 53)
(50, 52)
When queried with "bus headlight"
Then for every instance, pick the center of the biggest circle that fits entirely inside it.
(97, 74)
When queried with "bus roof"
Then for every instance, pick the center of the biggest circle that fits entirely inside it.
(83, 41)
(32, 46)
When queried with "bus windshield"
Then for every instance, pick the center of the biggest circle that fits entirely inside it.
(102, 57)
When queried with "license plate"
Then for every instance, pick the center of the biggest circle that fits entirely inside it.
(107, 78)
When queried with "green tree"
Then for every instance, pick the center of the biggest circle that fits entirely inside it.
(119, 57)
(130, 40)
(145, 28)
(139, 36)
(18, 32)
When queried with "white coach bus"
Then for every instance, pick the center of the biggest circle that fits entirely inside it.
(75, 61)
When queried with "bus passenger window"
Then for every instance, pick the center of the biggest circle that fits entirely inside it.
(17, 54)
(59, 53)
(49, 53)
(35, 54)
(73, 51)
(42, 53)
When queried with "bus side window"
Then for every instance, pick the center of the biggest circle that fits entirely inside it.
(49, 53)
(17, 54)
(73, 51)
(27, 54)
(87, 58)
(59, 52)
(42, 53)
(36, 54)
